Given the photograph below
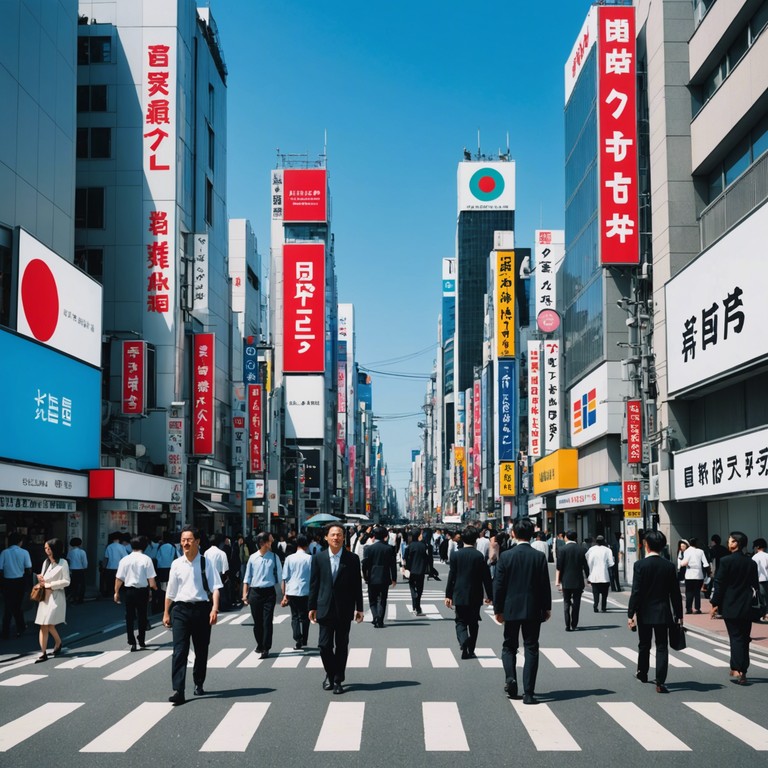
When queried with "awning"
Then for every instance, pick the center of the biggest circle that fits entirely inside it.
(217, 506)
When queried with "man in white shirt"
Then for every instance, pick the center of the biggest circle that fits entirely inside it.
(15, 569)
(483, 544)
(295, 583)
(540, 543)
(137, 572)
(761, 558)
(600, 562)
(217, 558)
(193, 592)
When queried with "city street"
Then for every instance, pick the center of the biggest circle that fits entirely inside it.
(410, 699)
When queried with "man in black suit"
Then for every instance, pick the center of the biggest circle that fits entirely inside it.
(522, 599)
(468, 577)
(379, 572)
(654, 588)
(571, 571)
(418, 562)
(335, 598)
(735, 580)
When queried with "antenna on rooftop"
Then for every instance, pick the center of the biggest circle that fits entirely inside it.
(478, 144)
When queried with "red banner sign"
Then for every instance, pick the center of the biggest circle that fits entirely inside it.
(631, 498)
(203, 395)
(304, 307)
(617, 136)
(256, 453)
(134, 378)
(634, 432)
(305, 195)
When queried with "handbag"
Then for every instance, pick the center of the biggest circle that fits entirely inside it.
(677, 637)
(37, 595)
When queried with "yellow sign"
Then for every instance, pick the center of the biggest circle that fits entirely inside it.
(557, 472)
(504, 305)
(507, 478)
(459, 454)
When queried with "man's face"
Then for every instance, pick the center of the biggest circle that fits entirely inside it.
(335, 538)
(733, 545)
(189, 544)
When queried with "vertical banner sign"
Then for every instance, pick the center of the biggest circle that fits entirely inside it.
(277, 195)
(631, 498)
(507, 410)
(305, 194)
(304, 308)
(505, 303)
(134, 378)
(256, 463)
(200, 277)
(158, 78)
(507, 471)
(534, 399)
(204, 366)
(617, 135)
(460, 421)
(551, 396)
(239, 424)
(477, 435)
(175, 452)
(550, 252)
(250, 361)
(634, 432)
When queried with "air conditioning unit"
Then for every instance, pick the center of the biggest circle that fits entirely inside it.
(653, 481)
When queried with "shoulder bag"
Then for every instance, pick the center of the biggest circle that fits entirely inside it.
(37, 595)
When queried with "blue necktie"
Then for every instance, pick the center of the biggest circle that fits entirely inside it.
(334, 566)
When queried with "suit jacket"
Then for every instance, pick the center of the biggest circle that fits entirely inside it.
(735, 578)
(521, 590)
(379, 565)
(572, 565)
(468, 577)
(418, 558)
(655, 593)
(335, 600)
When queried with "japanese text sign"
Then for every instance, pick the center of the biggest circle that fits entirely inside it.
(134, 379)
(203, 394)
(255, 417)
(634, 432)
(534, 399)
(304, 195)
(505, 303)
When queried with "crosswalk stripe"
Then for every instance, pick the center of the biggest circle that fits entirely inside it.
(752, 661)
(399, 658)
(487, 658)
(288, 659)
(103, 659)
(33, 722)
(443, 730)
(713, 661)
(241, 619)
(280, 618)
(547, 733)
(559, 658)
(251, 661)
(442, 658)
(391, 611)
(342, 729)
(314, 662)
(19, 664)
(224, 658)
(18, 680)
(235, 731)
(736, 725)
(651, 735)
(141, 665)
(224, 619)
(631, 654)
(126, 732)
(601, 658)
(359, 658)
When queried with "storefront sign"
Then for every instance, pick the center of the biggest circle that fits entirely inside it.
(534, 399)
(175, 445)
(601, 496)
(550, 252)
(134, 379)
(558, 471)
(631, 498)
(20, 479)
(504, 304)
(30, 504)
(551, 395)
(256, 428)
(200, 275)
(203, 410)
(634, 432)
(507, 476)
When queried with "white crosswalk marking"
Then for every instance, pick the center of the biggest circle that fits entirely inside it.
(18, 680)
(651, 735)
(288, 659)
(235, 731)
(126, 732)
(631, 654)
(391, 611)
(547, 733)
(224, 658)
(601, 658)
(431, 611)
(732, 723)
(443, 730)
(442, 658)
(342, 729)
(33, 722)
(19, 664)
(488, 658)
(101, 660)
(752, 660)
(241, 619)
(314, 662)
(141, 665)
(559, 658)
(280, 618)
(224, 619)
(399, 658)
(713, 661)
(251, 661)
(359, 658)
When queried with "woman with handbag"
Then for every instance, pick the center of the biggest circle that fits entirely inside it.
(53, 609)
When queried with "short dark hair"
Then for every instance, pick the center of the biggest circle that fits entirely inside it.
(190, 529)
(716, 538)
(263, 538)
(759, 543)
(380, 533)
(693, 541)
(523, 529)
(333, 525)
(57, 548)
(138, 543)
(76, 541)
(656, 540)
(740, 538)
(469, 535)
(570, 535)
(302, 541)
(14, 538)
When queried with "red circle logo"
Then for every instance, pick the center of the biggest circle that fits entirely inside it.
(486, 184)
(40, 299)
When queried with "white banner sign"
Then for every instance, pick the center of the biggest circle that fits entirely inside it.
(534, 400)
(549, 253)
(551, 396)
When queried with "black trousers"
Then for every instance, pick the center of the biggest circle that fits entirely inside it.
(13, 594)
(600, 594)
(377, 599)
(333, 643)
(299, 617)
(77, 585)
(262, 602)
(645, 633)
(531, 630)
(614, 573)
(693, 594)
(467, 618)
(416, 585)
(739, 631)
(135, 599)
(190, 621)
(571, 607)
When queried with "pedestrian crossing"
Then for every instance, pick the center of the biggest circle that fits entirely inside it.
(343, 726)
(115, 669)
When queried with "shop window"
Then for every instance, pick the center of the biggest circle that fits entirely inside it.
(91, 261)
(94, 50)
(89, 208)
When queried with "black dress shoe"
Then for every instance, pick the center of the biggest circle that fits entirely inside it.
(297, 646)
(177, 699)
(259, 649)
(510, 688)
(143, 646)
(57, 650)
(264, 655)
(661, 688)
(42, 658)
(327, 684)
(642, 676)
(199, 690)
(133, 647)
(567, 629)
(420, 613)
(529, 698)
(338, 689)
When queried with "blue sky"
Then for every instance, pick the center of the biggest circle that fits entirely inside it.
(400, 88)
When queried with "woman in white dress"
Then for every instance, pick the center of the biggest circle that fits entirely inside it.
(52, 610)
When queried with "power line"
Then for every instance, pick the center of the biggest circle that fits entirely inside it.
(396, 375)
(403, 358)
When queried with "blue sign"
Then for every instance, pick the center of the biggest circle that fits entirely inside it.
(51, 406)
(610, 495)
(250, 361)
(506, 387)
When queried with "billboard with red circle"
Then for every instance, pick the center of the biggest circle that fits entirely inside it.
(58, 305)
(486, 186)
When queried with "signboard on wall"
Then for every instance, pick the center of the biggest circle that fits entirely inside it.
(305, 195)
(203, 392)
(134, 378)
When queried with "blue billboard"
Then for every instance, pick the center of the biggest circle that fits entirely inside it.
(507, 410)
(51, 406)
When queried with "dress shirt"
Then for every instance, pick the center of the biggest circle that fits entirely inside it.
(263, 571)
(166, 554)
(600, 561)
(135, 570)
(185, 581)
(217, 559)
(151, 550)
(296, 574)
(541, 546)
(77, 559)
(13, 561)
(695, 561)
(334, 563)
(761, 558)
(113, 554)
(482, 545)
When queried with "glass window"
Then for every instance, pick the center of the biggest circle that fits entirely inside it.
(211, 103)
(101, 142)
(737, 161)
(760, 138)
(94, 50)
(738, 48)
(89, 208)
(91, 98)
(211, 148)
(758, 21)
(715, 184)
(90, 260)
(81, 149)
(208, 201)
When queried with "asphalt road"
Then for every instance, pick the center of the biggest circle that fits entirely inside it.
(411, 700)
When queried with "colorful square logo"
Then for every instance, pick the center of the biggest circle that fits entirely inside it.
(585, 411)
